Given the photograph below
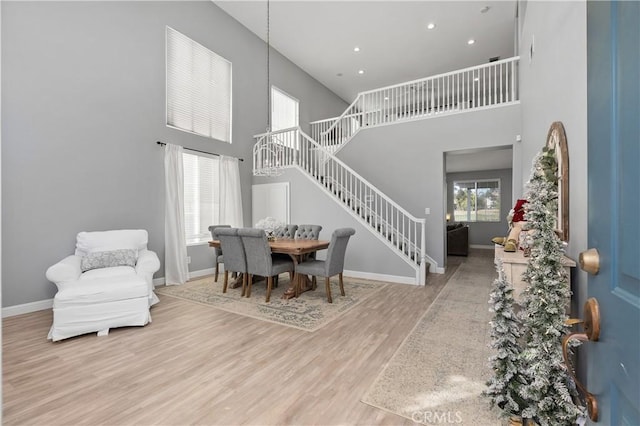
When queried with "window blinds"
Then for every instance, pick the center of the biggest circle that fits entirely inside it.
(198, 88)
(201, 196)
(284, 110)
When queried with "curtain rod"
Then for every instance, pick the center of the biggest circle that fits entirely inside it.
(197, 150)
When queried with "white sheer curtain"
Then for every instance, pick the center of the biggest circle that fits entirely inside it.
(230, 195)
(176, 270)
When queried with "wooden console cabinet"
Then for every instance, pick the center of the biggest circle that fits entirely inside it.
(515, 264)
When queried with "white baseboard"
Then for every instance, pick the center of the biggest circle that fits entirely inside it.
(26, 308)
(380, 277)
(355, 274)
(40, 305)
(203, 272)
(481, 246)
(192, 274)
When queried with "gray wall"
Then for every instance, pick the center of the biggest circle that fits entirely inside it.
(481, 233)
(83, 104)
(406, 161)
(366, 253)
(411, 172)
(553, 87)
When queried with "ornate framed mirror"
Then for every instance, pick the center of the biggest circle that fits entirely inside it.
(557, 143)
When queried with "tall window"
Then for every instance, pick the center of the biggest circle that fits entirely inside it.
(284, 110)
(201, 196)
(198, 88)
(476, 201)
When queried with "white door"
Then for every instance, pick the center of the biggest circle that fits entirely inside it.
(270, 200)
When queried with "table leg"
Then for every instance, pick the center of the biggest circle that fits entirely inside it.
(299, 284)
(237, 282)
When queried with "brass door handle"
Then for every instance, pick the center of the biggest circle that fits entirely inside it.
(591, 326)
(591, 402)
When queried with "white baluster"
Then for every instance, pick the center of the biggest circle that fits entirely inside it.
(513, 85)
(449, 92)
(501, 86)
(484, 85)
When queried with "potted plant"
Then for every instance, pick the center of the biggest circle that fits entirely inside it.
(269, 224)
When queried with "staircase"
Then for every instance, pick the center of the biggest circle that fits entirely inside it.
(480, 87)
(390, 223)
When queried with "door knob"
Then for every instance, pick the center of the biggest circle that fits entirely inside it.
(590, 261)
(591, 325)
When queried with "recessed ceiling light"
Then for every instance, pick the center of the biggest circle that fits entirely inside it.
(386, 98)
(471, 41)
(360, 72)
(485, 9)
(476, 79)
(431, 26)
(356, 49)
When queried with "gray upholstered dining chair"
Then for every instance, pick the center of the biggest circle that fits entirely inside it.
(309, 232)
(235, 257)
(286, 232)
(333, 265)
(217, 252)
(259, 259)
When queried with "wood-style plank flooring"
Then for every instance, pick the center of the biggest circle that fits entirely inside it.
(198, 365)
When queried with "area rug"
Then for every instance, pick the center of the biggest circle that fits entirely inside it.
(309, 312)
(438, 373)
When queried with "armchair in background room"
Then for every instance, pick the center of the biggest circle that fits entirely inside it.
(458, 239)
(107, 283)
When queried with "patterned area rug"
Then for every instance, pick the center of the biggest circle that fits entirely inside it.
(438, 373)
(308, 312)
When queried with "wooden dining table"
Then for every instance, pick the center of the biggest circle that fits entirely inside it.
(297, 250)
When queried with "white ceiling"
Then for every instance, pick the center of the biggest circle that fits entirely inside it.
(395, 44)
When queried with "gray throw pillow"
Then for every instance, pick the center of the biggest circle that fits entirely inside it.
(107, 259)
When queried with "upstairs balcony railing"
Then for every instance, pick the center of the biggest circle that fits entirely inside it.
(482, 86)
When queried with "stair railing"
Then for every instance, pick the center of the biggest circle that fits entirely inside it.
(473, 88)
(392, 224)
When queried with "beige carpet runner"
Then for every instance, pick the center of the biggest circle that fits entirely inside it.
(438, 373)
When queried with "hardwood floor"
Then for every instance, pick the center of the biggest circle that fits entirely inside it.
(198, 365)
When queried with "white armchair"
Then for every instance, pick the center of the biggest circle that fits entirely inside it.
(107, 283)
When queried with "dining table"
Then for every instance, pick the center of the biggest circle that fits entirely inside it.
(298, 250)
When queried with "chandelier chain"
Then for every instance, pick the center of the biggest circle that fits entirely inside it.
(268, 68)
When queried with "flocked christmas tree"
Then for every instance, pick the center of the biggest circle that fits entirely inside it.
(550, 392)
(503, 389)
